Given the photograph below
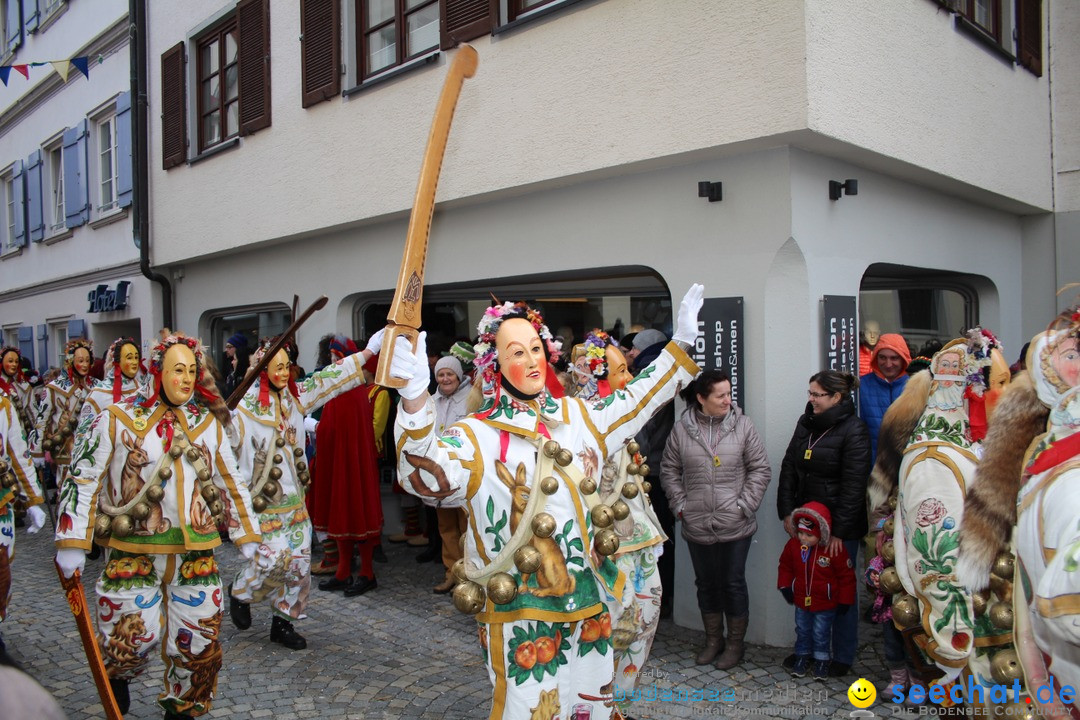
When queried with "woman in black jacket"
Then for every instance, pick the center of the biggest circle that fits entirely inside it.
(828, 460)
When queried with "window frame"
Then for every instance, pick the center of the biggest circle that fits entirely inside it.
(55, 225)
(400, 21)
(967, 9)
(218, 33)
(104, 209)
(7, 185)
(58, 330)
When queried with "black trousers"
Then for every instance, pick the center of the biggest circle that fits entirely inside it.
(721, 576)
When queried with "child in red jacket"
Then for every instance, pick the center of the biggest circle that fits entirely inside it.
(819, 585)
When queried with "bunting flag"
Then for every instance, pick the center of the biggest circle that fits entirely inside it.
(62, 67)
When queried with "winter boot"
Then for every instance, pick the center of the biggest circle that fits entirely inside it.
(714, 638)
(898, 680)
(329, 563)
(282, 632)
(239, 612)
(121, 695)
(733, 650)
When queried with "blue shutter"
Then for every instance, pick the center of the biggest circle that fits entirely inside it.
(18, 187)
(35, 218)
(14, 25)
(76, 329)
(124, 165)
(33, 15)
(43, 348)
(76, 186)
(26, 343)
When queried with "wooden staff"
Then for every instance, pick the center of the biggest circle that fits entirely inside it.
(403, 320)
(76, 597)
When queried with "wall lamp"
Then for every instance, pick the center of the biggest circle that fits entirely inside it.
(848, 187)
(712, 190)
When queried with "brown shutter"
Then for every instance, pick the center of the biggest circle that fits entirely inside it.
(253, 38)
(464, 20)
(1029, 34)
(320, 50)
(173, 108)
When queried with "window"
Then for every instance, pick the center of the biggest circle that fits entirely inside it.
(9, 212)
(518, 8)
(394, 31)
(218, 87)
(253, 323)
(11, 337)
(55, 192)
(986, 14)
(107, 164)
(59, 332)
(1013, 29)
(52, 6)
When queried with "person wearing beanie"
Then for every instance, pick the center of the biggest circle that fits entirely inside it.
(647, 345)
(450, 397)
(237, 361)
(883, 384)
(820, 585)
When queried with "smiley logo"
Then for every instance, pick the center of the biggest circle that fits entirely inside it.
(862, 693)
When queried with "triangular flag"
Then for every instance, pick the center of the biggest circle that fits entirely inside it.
(5, 71)
(63, 67)
(23, 70)
(82, 64)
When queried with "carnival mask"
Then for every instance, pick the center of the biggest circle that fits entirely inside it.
(11, 364)
(618, 374)
(520, 352)
(81, 361)
(999, 378)
(129, 360)
(1065, 359)
(279, 369)
(179, 373)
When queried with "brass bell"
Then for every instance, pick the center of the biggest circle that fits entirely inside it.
(543, 525)
(889, 581)
(203, 475)
(1005, 666)
(1001, 615)
(606, 542)
(219, 520)
(564, 457)
(122, 526)
(501, 588)
(280, 442)
(278, 458)
(217, 508)
(47, 444)
(905, 611)
(4, 467)
(72, 424)
(164, 473)
(298, 452)
(527, 559)
(175, 451)
(192, 454)
(630, 490)
(275, 473)
(458, 570)
(469, 597)
(140, 511)
(979, 600)
(551, 448)
(301, 466)
(602, 516)
(258, 503)
(102, 525)
(620, 510)
(892, 502)
(889, 527)
(643, 470)
(8, 479)
(210, 493)
(64, 432)
(155, 493)
(646, 486)
(632, 447)
(549, 485)
(1003, 566)
(588, 486)
(270, 488)
(1001, 587)
(305, 477)
(632, 468)
(888, 552)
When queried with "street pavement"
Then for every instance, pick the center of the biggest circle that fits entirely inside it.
(397, 652)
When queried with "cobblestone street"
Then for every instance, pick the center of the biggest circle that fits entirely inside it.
(397, 652)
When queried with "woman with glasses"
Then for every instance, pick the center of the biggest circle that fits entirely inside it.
(828, 461)
(715, 472)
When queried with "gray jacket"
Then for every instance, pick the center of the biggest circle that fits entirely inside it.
(717, 502)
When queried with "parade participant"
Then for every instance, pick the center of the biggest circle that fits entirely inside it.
(450, 397)
(57, 415)
(345, 502)
(15, 384)
(553, 593)
(268, 439)
(146, 481)
(123, 376)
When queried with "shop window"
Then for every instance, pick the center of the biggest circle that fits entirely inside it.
(253, 323)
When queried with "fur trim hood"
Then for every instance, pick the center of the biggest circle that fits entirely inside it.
(819, 515)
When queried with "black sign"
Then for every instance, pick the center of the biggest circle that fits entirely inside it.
(841, 338)
(719, 345)
(102, 299)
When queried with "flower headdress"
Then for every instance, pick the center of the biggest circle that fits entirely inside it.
(204, 383)
(488, 327)
(264, 378)
(112, 366)
(19, 377)
(596, 343)
(69, 354)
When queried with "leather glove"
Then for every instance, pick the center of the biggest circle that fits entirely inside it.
(248, 549)
(842, 609)
(788, 595)
(70, 559)
(37, 518)
(310, 424)
(686, 328)
(374, 344)
(411, 366)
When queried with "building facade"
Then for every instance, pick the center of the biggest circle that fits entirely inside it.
(286, 139)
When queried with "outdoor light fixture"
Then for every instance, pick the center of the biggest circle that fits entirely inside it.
(848, 187)
(712, 190)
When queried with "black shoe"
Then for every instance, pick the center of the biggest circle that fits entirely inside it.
(429, 554)
(838, 669)
(378, 555)
(789, 661)
(120, 692)
(361, 586)
(665, 611)
(334, 584)
(239, 612)
(174, 716)
(95, 552)
(282, 632)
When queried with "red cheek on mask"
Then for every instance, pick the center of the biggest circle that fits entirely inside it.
(516, 375)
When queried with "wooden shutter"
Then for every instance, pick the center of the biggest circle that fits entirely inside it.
(33, 15)
(43, 348)
(26, 343)
(76, 184)
(464, 20)
(320, 50)
(253, 38)
(173, 108)
(1029, 26)
(124, 166)
(13, 25)
(35, 217)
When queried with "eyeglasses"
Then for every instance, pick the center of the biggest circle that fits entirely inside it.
(811, 393)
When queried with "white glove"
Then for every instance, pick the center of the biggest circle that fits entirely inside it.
(248, 549)
(686, 328)
(374, 344)
(37, 518)
(70, 559)
(411, 366)
(310, 424)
